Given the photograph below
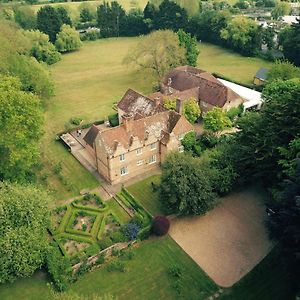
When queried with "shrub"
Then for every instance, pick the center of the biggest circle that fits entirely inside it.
(92, 250)
(234, 112)
(117, 237)
(127, 254)
(131, 231)
(76, 120)
(84, 268)
(59, 268)
(105, 243)
(117, 265)
(57, 168)
(113, 120)
(144, 233)
(100, 260)
(160, 225)
(115, 252)
(175, 271)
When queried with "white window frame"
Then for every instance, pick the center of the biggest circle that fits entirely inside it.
(139, 163)
(152, 146)
(124, 171)
(152, 159)
(139, 151)
(122, 157)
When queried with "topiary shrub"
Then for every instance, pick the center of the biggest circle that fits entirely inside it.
(160, 225)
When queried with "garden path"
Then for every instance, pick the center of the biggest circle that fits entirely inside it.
(229, 240)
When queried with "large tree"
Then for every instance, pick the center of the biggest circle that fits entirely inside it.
(283, 70)
(157, 52)
(264, 133)
(291, 44)
(25, 17)
(21, 128)
(42, 49)
(186, 185)
(111, 18)
(216, 120)
(50, 20)
(170, 16)
(67, 39)
(243, 35)
(191, 46)
(24, 218)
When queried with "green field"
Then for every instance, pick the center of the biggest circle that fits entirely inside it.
(143, 192)
(90, 80)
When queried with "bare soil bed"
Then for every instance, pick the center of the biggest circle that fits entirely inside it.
(72, 247)
(228, 241)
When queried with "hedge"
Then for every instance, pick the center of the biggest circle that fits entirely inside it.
(65, 220)
(61, 247)
(90, 208)
(101, 228)
(144, 233)
(76, 238)
(96, 226)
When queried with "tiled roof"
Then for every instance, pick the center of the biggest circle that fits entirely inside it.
(91, 135)
(136, 103)
(157, 125)
(186, 81)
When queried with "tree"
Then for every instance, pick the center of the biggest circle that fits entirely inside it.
(190, 144)
(134, 24)
(284, 224)
(110, 18)
(242, 34)
(87, 13)
(280, 9)
(268, 35)
(216, 120)
(264, 133)
(21, 117)
(291, 44)
(191, 110)
(191, 46)
(149, 11)
(186, 185)
(283, 70)
(170, 16)
(25, 17)
(158, 53)
(67, 39)
(24, 218)
(34, 76)
(50, 20)
(42, 49)
(160, 225)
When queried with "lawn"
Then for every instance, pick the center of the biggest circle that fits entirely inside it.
(144, 193)
(147, 278)
(216, 59)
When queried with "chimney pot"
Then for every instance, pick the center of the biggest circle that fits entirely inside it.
(179, 106)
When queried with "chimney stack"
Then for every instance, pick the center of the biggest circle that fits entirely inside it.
(157, 101)
(179, 106)
(128, 120)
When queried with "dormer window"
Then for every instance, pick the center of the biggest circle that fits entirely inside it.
(122, 157)
(139, 151)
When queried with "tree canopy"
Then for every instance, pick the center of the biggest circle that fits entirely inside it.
(283, 70)
(21, 127)
(186, 185)
(158, 52)
(216, 120)
(67, 39)
(24, 218)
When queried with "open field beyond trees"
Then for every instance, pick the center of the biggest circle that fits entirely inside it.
(90, 80)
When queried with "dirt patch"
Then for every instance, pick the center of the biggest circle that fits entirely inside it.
(228, 241)
(84, 223)
(72, 247)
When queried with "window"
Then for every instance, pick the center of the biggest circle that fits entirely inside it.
(139, 151)
(180, 148)
(122, 157)
(139, 162)
(152, 159)
(123, 171)
(153, 146)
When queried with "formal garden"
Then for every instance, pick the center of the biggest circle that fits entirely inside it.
(88, 224)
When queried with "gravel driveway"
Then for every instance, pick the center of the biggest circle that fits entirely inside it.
(228, 241)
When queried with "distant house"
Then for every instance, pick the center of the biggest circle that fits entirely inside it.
(260, 77)
(147, 132)
(188, 82)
